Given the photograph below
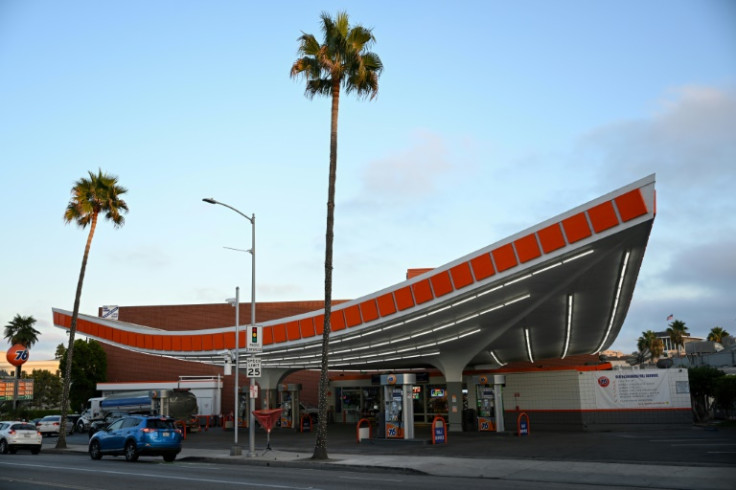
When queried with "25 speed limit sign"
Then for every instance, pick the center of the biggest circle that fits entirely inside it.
(253, 367)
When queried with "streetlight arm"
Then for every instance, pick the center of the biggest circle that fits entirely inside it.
(210, 200)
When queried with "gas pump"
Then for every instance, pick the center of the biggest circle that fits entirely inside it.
(289, 402)
(485, 399)
(399, 409)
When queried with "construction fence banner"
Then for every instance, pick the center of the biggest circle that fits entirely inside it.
(632, 389)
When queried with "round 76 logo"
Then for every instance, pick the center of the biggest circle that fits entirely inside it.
(17, 355)
(603, 381)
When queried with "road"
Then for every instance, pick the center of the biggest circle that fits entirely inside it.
(78, 471)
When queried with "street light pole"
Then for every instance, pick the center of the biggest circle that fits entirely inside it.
(251, 418)
(235, 450)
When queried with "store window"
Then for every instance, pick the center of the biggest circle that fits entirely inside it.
(437, 401)
(419, 403)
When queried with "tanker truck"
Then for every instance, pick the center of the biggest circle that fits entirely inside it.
(179, 404)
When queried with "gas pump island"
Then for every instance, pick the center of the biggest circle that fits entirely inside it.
(289, 403)
(399, 409)
(489, 399)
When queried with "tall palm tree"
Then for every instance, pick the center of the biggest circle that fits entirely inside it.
(341, 61)
(20, 331)
(677, 332)
(649, 342)
(716, 334)
(98, 194)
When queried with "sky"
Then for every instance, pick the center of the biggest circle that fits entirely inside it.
(491, 117)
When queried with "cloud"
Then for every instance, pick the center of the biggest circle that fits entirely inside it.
(143, 256)
(689, 141)
(411, 173)
(711, 267)
(690, 266)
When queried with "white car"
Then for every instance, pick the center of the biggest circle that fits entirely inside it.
(16, 435)
(51, 424)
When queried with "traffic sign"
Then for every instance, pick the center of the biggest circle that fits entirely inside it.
(254, 338)
(253, 367)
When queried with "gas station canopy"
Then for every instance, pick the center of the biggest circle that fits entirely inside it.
(559, 288)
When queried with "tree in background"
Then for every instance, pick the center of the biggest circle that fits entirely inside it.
(341, 61)
(20, 331)
(89, 367)
(716, 334)
(703, 381)
(649, 343)
(677, 332)
(46, 389)
(100, 194)
(725, 395)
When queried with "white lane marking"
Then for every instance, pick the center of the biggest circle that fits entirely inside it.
(16, 481)
(154, 475)
(707, 444)
(682, 440)
(366, 478)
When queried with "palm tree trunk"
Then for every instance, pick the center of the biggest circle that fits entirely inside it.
(61, 442)
(320, 446)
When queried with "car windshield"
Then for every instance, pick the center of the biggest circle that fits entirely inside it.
(159, 424)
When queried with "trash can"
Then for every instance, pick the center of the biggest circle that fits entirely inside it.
(470, 421)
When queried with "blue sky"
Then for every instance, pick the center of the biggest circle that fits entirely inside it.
(491, 117)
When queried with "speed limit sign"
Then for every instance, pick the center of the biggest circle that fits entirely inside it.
(253, 367)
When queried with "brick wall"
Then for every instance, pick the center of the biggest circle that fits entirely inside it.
(124, 365)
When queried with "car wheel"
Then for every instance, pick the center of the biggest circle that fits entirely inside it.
(3, 447)
(169, 457)
(131, 453)
(35, 450)
(95, 452)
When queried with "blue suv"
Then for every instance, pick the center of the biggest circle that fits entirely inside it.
(137, 435)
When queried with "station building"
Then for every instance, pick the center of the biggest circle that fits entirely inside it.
(515, 327)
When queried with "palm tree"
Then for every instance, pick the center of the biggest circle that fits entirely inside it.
(20, 331)
(716, 334)
(90, 197)
(649, 342)
(677, 332)
(341, 61)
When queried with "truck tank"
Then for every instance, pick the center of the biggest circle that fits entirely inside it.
(182, 404)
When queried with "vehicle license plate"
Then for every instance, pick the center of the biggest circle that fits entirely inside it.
(27, 436)
(166, 434)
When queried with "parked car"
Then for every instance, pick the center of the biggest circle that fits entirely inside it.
(19, 435)
(137, 435)
(109, 419)
(71, 421)
(51, 425)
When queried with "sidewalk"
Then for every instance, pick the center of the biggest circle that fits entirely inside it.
(682, 458)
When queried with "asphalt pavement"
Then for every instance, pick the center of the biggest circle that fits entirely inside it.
(682, 457)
